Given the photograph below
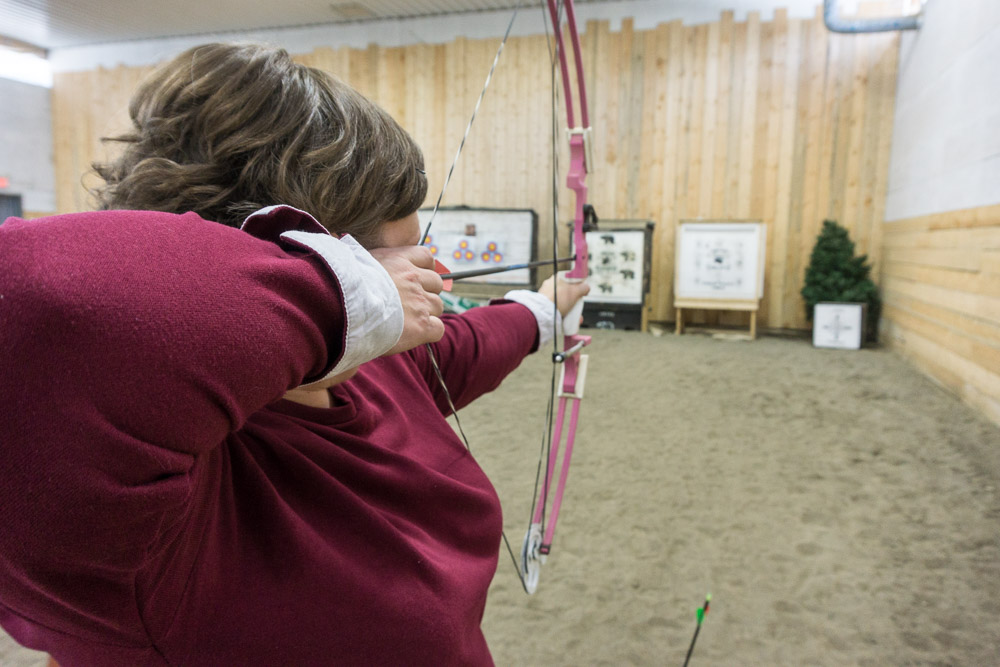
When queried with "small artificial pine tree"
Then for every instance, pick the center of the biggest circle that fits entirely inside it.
(835, 274)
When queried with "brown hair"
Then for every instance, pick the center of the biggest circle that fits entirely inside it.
(224, 130)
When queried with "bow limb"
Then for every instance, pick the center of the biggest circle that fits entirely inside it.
(538, 540)
(581, 157)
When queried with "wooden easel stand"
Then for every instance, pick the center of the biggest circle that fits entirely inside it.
(712, 304)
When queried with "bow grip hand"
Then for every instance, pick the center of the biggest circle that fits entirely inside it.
(568, 293)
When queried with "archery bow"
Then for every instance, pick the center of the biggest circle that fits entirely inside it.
(541, 531)
(538, 540)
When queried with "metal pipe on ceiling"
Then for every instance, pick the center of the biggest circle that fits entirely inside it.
(836, 24)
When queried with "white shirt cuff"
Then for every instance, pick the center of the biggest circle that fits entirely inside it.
(374, 312)
(543, 310)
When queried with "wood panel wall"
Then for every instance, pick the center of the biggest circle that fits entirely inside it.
(941, 286)
(779, 121)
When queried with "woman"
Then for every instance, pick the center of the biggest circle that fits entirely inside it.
(228, 446)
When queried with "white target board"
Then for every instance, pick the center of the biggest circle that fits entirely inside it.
(838, 325)
(720, 261)
(617, 262)
(464, 239)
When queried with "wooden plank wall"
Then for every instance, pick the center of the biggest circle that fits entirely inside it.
(779, 121)
(941, 287)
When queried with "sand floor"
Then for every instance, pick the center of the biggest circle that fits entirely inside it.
(840, 507)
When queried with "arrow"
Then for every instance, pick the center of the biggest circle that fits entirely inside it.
(459, 275)
(701, 617)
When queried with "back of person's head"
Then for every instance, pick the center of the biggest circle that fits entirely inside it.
(224, 130)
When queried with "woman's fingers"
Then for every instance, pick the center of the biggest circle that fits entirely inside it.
(412, 270)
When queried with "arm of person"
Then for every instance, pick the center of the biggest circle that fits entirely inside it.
(411, 269)
(172, 329)
(133, 344)
(484, 345)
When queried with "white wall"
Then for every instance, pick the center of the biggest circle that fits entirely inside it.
(432, 30)
(26, 144)
(946, 135)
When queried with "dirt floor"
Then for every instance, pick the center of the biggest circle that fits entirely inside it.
(840, 507)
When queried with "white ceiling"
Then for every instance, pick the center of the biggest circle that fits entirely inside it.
(54, 24)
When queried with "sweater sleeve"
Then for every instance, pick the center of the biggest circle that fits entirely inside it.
(479, 349)
(170, 330)
(133, 343)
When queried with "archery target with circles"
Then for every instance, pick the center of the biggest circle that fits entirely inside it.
(464, 239)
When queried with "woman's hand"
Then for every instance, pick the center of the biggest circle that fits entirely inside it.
(412, 270)
(568, 293)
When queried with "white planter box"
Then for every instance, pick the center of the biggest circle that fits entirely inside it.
(839, 325)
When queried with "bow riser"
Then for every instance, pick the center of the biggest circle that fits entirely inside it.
(576, 181)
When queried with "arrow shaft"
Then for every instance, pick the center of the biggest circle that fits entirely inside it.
(701, 617)
(459, 275)
(691, 647)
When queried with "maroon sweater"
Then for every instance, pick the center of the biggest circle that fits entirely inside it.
(161, 505)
